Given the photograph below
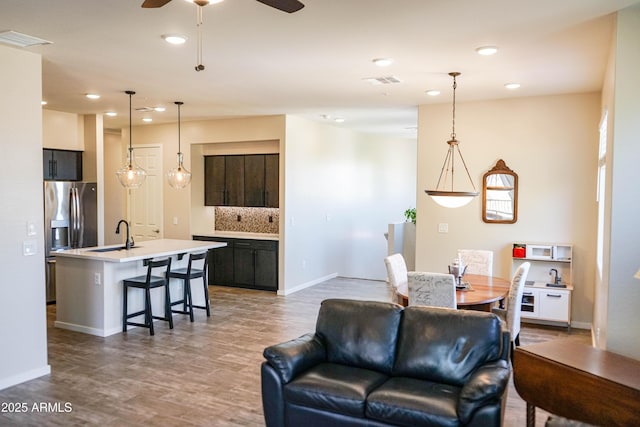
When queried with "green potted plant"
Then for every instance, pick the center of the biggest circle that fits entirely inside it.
(410, 215)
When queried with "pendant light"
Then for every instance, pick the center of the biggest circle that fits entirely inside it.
(131, 175)
(179, 177)
(449, 198)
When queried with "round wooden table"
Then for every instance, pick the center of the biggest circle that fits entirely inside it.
(485, 290)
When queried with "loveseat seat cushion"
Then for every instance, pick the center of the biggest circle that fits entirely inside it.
(411, 402)
(444, 345)
(335, 388)
(359, 333)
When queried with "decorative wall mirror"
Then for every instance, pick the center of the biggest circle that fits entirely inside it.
(500, 195)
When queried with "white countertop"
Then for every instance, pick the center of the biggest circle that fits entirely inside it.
(142, 250)
(240, 235)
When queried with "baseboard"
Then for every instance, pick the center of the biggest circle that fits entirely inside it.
(86, 329)
(574, 324)
(24, 377)
(306, 285)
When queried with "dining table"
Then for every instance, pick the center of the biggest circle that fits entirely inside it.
(481, 293)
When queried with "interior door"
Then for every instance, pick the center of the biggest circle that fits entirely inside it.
(145, 203)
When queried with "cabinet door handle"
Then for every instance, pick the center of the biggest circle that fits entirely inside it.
(55, 168)
(554, 295)
(528, 293)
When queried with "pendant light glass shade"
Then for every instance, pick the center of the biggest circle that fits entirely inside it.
(131, 175)
(179, 177)
(445, 195)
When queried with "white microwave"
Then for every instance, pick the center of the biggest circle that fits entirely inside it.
(540, 251)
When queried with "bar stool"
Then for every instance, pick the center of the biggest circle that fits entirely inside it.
(187, 274)
(148, 282)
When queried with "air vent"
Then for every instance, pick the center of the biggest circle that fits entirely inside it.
(22, 40)
(144, 109)
(383, 80)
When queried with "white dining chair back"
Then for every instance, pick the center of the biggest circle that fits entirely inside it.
(433, 289)
(510, 315)
(397, 276)
(477, 261)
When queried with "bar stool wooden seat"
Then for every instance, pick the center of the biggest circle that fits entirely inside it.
(148, 282)
(187, 274)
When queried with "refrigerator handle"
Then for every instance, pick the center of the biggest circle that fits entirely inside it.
(74, 206)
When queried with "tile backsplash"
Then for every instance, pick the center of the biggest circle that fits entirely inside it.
(250, 220)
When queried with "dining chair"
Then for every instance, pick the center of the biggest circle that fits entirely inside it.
(433, 289)
(397, 276)
(510, 315)
(477, 261)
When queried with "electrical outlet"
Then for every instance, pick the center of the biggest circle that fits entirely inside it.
(443, 227)
(175, 220)
(96, 278)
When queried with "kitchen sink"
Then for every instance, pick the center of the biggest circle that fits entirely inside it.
(117, 248)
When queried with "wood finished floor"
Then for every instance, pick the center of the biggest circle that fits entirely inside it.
(205, 373)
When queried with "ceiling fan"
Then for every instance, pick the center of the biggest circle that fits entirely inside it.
(288, 6)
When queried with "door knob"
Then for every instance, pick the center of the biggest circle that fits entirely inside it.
(156, 230)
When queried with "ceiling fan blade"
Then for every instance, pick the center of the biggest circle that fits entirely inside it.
(288, 6)
(154, 3)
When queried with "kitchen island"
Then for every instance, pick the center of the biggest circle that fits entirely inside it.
(89, 282)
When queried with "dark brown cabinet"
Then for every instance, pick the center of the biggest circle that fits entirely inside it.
(242, 180)
(245, 263)
(61, 165)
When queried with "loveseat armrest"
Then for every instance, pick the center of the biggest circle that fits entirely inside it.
(295, 356)
(486, 384)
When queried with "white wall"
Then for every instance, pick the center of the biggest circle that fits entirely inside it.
(62, 130)
(22, 292)
(551, 142)
(342, 190)
(623, 315)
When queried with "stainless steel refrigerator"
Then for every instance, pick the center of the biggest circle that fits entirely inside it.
(70, 221)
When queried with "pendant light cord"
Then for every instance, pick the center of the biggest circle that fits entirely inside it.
(130, 93)
(453, 124)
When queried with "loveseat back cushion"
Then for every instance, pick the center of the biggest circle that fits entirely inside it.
(446, 345)
(359, 333)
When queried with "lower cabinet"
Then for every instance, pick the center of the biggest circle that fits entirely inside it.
(244, 263)
(547, 304)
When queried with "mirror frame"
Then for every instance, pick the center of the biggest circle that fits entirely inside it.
(500, 168)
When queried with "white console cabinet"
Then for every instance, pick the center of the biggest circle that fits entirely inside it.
(541, 301)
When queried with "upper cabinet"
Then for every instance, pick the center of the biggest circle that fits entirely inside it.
(241, 180)
(61, 165)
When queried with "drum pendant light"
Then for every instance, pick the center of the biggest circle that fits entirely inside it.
(131, 175)
(449, 198)
(179, 177)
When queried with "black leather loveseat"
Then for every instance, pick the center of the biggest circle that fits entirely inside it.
(379, 364)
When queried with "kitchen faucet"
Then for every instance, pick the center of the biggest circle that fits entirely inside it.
(129, 242)
(557, 278)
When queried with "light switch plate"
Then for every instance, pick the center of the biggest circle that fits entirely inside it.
(443, 227)
(29, 247)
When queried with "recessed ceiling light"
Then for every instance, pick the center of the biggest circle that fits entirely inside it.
(147, 119)
(433, 92)
(383, 62)
(111, 113)
(92, 96)
(338, 120)
(487, 50)
(512, 85)
(159, 109)
(174, 38)
(43, 102)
